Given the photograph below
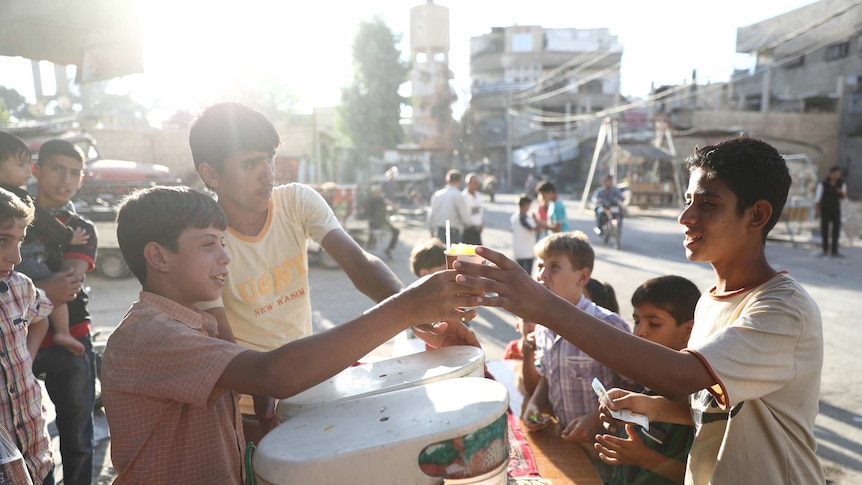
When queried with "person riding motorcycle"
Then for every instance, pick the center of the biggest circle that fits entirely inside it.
(604, 198)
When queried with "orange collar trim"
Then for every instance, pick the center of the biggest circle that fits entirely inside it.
(746, 289)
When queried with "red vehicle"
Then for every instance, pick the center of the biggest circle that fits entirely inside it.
(106, 182)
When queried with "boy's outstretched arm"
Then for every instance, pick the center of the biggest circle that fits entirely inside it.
(368, 273)
(303, 363)
(668, 372)
(375, 279)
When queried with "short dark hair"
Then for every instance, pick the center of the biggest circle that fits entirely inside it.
(60, 147)
(12, 207)
(602, 294)
(453, 175)
(430, 254)
(575, 245)
(752, 169)
(546, 186)
(160, 214)
(673, 294)
(12, 146)
(524, 199)
(226, 129)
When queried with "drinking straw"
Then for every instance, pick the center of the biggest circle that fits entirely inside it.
(448, 235)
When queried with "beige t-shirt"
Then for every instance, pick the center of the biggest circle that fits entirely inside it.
(765, 349)
(267, 297)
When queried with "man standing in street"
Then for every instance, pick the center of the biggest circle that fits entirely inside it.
(377, 211)
(827, 200)
(448, 204)
(473, 198)
(69, 378)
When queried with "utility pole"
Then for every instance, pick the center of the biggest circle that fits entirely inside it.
(509, 129)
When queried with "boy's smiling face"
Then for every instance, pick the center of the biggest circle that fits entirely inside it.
(12, 232)
(15, 170)
(714, 231)
(657, 325)
(199, 266)
(558, 275)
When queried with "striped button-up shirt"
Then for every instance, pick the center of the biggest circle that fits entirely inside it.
(23, 416)
(569, 371)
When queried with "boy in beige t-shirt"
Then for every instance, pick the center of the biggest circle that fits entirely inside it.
(750, 376)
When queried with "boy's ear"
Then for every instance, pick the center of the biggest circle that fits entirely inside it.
(585, 275)
(209, 174)
(688, 326)
(156, 258)
(761, 211)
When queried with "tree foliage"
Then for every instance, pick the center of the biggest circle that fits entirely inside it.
(14, 103)
(370, 110)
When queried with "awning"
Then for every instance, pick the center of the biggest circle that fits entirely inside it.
(101, 37)
(548, 153)
(637, 153)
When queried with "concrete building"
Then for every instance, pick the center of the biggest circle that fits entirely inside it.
(431, 122)
(805, 91)
(529, 83)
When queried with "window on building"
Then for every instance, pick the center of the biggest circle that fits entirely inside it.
(522, 42)
(591, 87)
(795, 62)
(421, 57)
(752, 103)
(440, 57)
(837, 51)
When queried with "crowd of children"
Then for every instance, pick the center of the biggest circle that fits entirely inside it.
(172, 373)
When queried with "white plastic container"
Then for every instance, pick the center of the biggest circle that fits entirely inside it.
(456, 428)
(388, 375)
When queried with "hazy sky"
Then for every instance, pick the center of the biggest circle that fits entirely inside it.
(191, 46)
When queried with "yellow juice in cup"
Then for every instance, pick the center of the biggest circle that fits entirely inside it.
(462, 252)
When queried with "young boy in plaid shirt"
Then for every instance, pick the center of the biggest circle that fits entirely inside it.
(23, 323)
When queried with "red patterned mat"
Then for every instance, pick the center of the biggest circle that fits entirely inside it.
(522, 463)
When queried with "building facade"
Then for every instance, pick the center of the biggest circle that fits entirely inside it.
(531, 85)
(809, 62)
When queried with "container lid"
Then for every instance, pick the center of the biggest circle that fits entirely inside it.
(378, 438)
(388, 375)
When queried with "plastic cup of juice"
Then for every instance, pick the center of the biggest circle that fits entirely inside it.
(463, 252)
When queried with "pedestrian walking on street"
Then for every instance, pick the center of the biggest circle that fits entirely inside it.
(448, 204)
(473, 198)
(827, 199)
(377, 211)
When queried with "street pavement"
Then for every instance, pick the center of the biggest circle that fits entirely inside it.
(651, 246)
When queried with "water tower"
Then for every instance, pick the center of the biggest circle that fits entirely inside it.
(430, 75)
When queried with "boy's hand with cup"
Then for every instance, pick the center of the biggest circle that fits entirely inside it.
(463, 252)
(466, 253)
